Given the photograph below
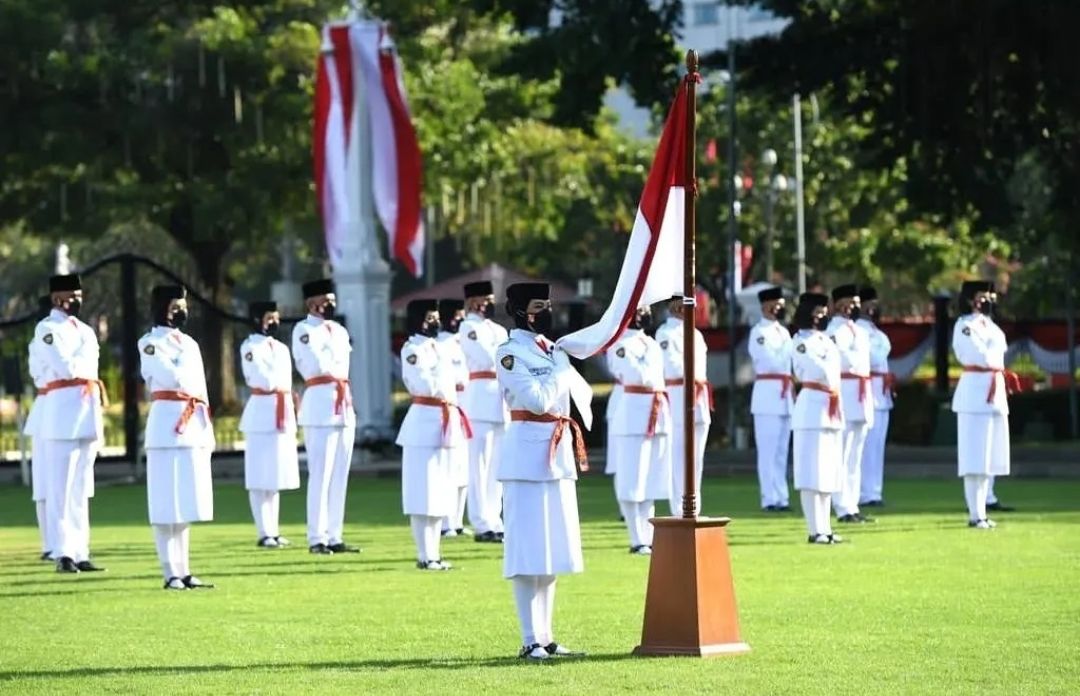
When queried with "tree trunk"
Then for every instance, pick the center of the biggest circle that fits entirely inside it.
(218, 340)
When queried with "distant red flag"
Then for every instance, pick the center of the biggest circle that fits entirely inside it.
(710, 151)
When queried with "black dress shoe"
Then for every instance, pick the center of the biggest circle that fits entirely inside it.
(848, 519)
(873, 503)
(175, 584)
(46, 556)
(193, 583)
(769, 508)
(88, 567)
(998, 507)
(863, 518)
(342, 547)
(320, 549)
(488, 538)
(783, 508)
(66, 565)
(556, 650)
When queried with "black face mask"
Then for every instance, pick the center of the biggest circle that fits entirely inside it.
(985, 307)
(820, 323)
(327, 310)
(641, 321)
(541, 321)
(74, 306)
(430, 329)
(271, 329)
(779, 313)
(452, 326)
(855, 312)
(179, 319)
(874, 314)
(488, 310)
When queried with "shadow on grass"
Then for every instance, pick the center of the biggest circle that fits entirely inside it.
(437, 663)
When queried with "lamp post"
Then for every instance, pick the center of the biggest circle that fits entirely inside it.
(775, 184)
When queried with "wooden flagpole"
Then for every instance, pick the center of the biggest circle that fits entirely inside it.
(690, 603)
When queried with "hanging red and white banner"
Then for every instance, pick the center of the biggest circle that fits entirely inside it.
(359, 69)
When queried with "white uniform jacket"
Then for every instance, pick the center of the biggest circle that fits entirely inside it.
(36, 367)
(267, 367)
(670, 338)
(321, 349)
(172, 362)
(68, 349)
(854, 346)
(480, 338)
(880, 348)
(815, 359)
(428, 374)
(770, 351)
(980, 343)
(538, 380)
(449, 346)
(637, 363)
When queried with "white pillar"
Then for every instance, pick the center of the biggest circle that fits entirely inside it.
(362, 280)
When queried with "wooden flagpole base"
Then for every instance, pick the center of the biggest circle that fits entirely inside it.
(690, 605)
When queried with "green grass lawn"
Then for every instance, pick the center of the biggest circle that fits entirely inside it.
(917, 603)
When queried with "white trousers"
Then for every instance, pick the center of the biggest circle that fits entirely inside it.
(846, 502)
(678, 459)
(534, 597)
(173, 542)
(991, 497)
(425, 531)
(772, 439)
(329, 456)
(485, 491)
(67, 505)
(636, 516)
(457, 520)
(815, 507)
(976, 489)
(873, 459)
(266, 509)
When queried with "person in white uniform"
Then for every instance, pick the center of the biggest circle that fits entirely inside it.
(772, 399)
(483, 402)
(321, 349)
(71, 421)
(537, 466)
(981, 399)
(640, 429)
(38, 468)
(855, 398)
(268, 423)
(881, 389)
(670, 337)
(433, 433)
(179, 436)
(817, 420)
(451, 314)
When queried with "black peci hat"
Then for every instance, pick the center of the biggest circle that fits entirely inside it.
(258, 309)
(520, 294)
(970, 287)
(481, 288)
(774, 293)
(416, 312)
(844, 291)
(867, 293)
(314, 288)
(65, 283)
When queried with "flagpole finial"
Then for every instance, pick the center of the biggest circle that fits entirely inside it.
(691, 61)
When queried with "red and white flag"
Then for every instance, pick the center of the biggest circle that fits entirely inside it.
(359, 69)
(652, 269)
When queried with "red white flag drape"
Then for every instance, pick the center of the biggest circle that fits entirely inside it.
(359, 69)
(652, 269)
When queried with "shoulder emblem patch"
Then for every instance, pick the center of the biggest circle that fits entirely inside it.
(411, 358)
(801, 348)
(305, 338)
(149, 349)
(507, 362)
(249, 356)
(664, 345)
(48, 339)
(966, 331)
(621, 352)
(761, 340)
(472, 335)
